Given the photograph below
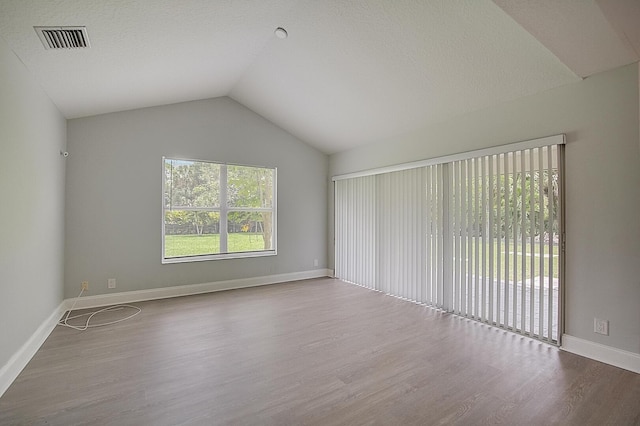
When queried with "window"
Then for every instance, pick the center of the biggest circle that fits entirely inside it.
(217, 211)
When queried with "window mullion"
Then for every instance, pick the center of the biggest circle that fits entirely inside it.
(223, 209)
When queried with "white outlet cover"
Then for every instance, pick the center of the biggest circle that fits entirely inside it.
(601, 326)
(111, 283)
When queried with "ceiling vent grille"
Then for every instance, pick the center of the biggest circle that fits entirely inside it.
(63, 37)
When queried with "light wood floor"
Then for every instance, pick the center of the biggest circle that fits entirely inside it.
(318, 352)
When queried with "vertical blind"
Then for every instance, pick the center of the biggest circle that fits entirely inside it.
(479, 236)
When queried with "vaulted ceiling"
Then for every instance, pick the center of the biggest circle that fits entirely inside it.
(350, 72)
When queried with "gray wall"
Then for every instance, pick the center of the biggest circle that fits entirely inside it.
(600, 117)
(32, 133)
(114, 193)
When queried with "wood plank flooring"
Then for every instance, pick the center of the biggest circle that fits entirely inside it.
(316, 352)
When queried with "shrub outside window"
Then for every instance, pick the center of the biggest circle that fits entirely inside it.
(217, 211)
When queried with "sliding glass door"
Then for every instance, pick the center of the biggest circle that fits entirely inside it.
(506, 237)
(479, 236)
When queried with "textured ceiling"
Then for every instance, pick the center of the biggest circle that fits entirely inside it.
(350, 73)
(143, 53)
(577, 31)
(359, 71)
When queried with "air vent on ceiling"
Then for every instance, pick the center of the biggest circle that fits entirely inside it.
(63, 37)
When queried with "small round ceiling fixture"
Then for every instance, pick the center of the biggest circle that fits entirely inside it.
(281, 33)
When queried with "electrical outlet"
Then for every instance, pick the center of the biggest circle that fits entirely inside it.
(601, 326)
(315, 262)
(111, 283)
(85, 285)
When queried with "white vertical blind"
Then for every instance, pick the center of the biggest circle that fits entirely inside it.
(513, 229)
(401, 260)
(480, 236)
(356, 255)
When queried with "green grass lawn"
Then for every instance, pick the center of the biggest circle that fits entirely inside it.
(501, 254)
(193, 245)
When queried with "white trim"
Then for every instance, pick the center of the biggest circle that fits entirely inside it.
(10, 371)
(518, 146)
(607, 354)
(206, 257)
(186, 290)
(21, 358)
(223, 221)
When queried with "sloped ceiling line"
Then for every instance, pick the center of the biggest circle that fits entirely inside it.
(349, 74)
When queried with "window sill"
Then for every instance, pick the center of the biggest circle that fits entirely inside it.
(207, 257)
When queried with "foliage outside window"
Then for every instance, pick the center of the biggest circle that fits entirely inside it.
(217, 211)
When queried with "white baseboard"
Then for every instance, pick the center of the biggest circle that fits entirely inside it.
(21, 358)
(187, 290)
(607, 354)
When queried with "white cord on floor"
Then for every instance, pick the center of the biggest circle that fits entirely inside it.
(86, 325)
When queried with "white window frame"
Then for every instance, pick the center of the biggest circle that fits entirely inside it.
(223, 209)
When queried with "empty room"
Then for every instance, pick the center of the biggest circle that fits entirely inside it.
(283, 212)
